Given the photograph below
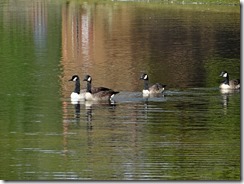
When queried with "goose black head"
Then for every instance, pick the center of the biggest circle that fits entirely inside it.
(75, 78)
(87, 78)
(144, 76)
(224, 74)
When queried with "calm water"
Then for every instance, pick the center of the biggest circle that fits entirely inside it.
(191, 132)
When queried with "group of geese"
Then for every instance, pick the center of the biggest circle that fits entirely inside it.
(102, 93)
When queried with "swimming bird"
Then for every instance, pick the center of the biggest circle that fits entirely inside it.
(154, 89)
(99, 93)
(227, 83)
(77, 94)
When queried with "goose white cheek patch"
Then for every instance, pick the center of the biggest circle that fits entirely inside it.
(74, 79)
(225, 75)
(89, 79)
(145, 77)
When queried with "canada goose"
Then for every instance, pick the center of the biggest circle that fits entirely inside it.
(77, 94)
(229, 84)
(97, 94)
(154, 89)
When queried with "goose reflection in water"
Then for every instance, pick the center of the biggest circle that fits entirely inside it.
(226, 94)
(91, 105)
(77, 110)
(88, 107)
(77, 113)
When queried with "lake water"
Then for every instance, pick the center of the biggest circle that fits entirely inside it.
(190, 132)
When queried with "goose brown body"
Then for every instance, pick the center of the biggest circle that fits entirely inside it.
(156, 88)
(229, 84)
(99, 93)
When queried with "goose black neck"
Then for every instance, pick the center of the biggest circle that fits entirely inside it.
(146, 87)
(88, 87)
(226, 81)
(77, 87)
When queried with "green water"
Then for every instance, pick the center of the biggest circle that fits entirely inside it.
(192, 132)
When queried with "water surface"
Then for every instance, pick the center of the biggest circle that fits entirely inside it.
(190, 132)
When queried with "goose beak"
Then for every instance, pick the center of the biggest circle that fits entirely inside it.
(70, 80)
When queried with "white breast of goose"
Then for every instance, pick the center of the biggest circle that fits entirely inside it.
(89, 96)
(145, 92)
(76, 96)
(225, 86)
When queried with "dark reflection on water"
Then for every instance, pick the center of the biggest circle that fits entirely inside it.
(190, 132)
(176, 45)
